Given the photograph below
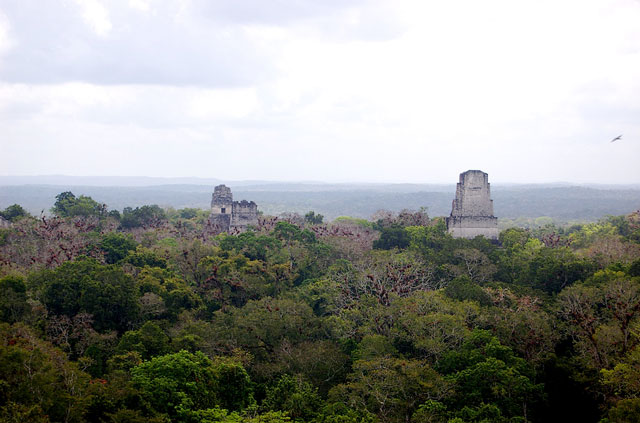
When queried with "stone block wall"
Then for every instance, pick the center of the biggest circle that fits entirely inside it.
(227, 214)
(473, 195)
(245, 213)
(471, 226)
(472, 208)
(222, 200)
(220, 222)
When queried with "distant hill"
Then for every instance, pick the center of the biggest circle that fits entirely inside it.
(564, 203)
(559, 201)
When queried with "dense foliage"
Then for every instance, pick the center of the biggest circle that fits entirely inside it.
(150, 316)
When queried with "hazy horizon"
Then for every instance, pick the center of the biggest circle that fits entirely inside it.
(140, 180)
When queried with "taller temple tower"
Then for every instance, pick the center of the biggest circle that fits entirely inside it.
(472, 209)
(222, 200)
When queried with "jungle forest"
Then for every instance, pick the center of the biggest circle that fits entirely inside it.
(150, 315)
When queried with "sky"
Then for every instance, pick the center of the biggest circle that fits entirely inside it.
(332, 90)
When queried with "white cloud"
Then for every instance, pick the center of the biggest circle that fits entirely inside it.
(5, 42)
(168, 47)
(356, 90)
(213, 104)
(96, 15)
(141, 5)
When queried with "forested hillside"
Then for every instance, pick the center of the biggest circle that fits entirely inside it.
(148, 315)
(562, 203)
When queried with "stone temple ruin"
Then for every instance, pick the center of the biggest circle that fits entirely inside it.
(472, 209)
(228, 215)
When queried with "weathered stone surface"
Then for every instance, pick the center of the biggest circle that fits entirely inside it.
(472, 209)
(245, 213)
(221, 200)
(227, 215)
(220, 222)
(4, 223)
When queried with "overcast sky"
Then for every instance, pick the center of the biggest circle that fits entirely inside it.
(326, 90)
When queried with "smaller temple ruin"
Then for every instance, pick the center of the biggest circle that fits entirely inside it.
(228, 215)
(472, 209)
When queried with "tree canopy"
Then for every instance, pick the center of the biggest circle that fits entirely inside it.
(151, 316)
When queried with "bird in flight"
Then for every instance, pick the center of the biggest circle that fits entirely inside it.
(619, 137)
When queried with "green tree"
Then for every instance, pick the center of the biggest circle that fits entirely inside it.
(288, 233)
(313, 219)
(550, 269)
(68, 205)
(431, 412)
(463, 288)
(188, 213)
(13, 299)
(141, 257)
(339, 412)
(234, 387)
(263, 327)
(181, 384)
(553, 269)
(391, 388)
(294, 396)
(105, 292)
(253, 246)
(521, 322)
(433, 242)
(37, 379)
(14, 212)
(601, 317)
(514, 237)
(624, 411)
(117, 246)
(634, 268)
(321, 362)
(64, 201)
(474, 264)
(142, 216)
(624, 378)
(394, 236)
(175, 382)
(149, 341)
(486, 372)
